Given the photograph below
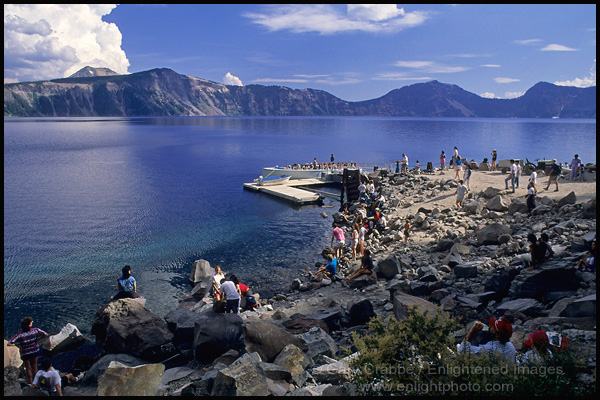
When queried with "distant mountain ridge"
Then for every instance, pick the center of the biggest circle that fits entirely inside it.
(164, 92)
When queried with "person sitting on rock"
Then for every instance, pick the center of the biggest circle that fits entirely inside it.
(330, 269)
(537, 348)
(589, 263)
(537, 251)
(126, 285)
(366, 266)
(500, 347)
(48, 379)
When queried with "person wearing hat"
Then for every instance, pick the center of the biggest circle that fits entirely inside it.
(575, 163)
(501, 346)
(554, 174)
(537, 348)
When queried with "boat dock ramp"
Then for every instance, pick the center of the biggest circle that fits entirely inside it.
(291, 190)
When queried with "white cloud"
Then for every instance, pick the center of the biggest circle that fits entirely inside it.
(527, 41)
(513, 95)
(588, 81)
(491, 65)
(488, 95)
(506, 80)
(229, 79)
(330, 19)
(429, 67)
(557, 47)
(399, 77)
(48, 41)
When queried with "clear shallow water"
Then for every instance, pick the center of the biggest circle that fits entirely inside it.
(83, 197)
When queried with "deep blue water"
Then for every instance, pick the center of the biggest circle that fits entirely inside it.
(85, 196)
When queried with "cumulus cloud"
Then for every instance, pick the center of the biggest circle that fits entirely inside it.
(513, 95)
(588, 81)
(49, 41)
(488, 95)
(557, 47)
(232, 80)
(330, 19)
(527, 42)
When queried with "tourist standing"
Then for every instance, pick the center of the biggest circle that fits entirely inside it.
(512, 175)
(442, 160)
(533, 179)
(216, 282)
(575, 163)
(555, 171)
(407, 227)
(494, 157)
(27, 340)
(530, 198)
(454, 156)
(126, 285)
(404, 163)
(361, 239)
(457, 166)
(230, 291)
(461, 190)
(518, 173)
(354, 240)
(332, 158)
(467, 176)
(340, 240)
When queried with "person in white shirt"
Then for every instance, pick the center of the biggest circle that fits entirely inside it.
(533, 179)
(48, 379)
(229, 289)
(461, 190)
(404, 163)
(216, 282)
(511, 176)
(500, 347)
(517, 174)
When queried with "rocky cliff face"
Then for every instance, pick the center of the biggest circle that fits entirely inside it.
(163, 92)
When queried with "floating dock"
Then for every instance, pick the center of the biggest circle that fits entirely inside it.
(290, 191)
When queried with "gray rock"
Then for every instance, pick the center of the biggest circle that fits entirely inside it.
(69, 338)
(489, 234)
(571, 198)
(244, 379)
(360, 313)
(403, 302)
(201, 271)
(388, 268)
(126, 326)
(122, 380)
(527, 306)
(491, 192)
(583, 307)
(362, 281)
(497, 203)
(268, 340)
(215, 334)
(319, 343)
(465, 271)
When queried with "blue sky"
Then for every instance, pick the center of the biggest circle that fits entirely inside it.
(355, 52)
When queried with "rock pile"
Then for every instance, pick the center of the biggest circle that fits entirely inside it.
(294, 344)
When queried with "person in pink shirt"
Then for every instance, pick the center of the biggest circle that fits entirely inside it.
(340, 240)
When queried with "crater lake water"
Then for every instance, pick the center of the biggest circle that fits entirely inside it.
(85, 196)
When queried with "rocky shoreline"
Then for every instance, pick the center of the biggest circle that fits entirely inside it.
(466, 262)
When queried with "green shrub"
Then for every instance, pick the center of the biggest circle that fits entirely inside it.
(417, 356)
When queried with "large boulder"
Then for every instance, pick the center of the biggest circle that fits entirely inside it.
(240, 379)
(388, 268)
(491, 192)
(517, 206)
(99, 367)
(69, 338)
(319, 342)
(12, 387)
(571, 198)
(489, 234)
(360, 313)
(182, 323)
(12, 356)
(268, 340)
(215, 334)
(201, 272)
(122, 380)
(293, 359)
(583, 307)
(497, 203)
(126, 326)
(404, 302)
(362, 281)
(530, 307)
(549, 277)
